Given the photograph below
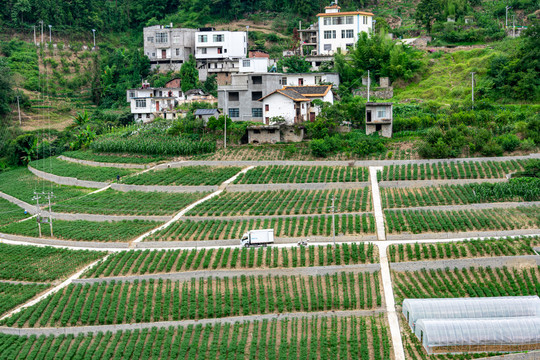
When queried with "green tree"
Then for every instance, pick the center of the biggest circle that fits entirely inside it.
(428, 11)
(189, 74)
(6, 92)
(210, 85)
(293, 64)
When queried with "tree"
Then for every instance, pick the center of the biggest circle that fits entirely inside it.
(210, 85)
(293, 64)
(189, 74)
(427, 11)
(6, 92)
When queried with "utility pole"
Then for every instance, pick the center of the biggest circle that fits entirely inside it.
(368, 83)
(225, 133)
(507, 8)
(333, 207)
(19, 110)
(38, 211)
(35, 35)
(472, 93)
(41, 22)
(94, 33)
(513, 27)
(247, 40)
(49, 196)
(50, 33)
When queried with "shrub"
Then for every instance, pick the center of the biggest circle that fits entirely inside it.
(509, 142)
(492, 149)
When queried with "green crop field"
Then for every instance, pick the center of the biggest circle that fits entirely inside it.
(464, 249)
(82, 230)
(113, 158)
(472, 282)
(284, 202)
(82, 172)
(302, 174)
(10, 212)
(22, 184)
(461, 194)
(453, 170)
(418, 221)
(163, 300)
(12, 295)
(188, 175)
(31, 263)
(166, 261)
(301, 226)
(112, 202)
(287, 339)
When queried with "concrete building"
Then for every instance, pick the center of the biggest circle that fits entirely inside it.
(379, 118)
(294, 103)
(167, 47)
(206, 114)
(253, 65)
(240, 99)
(147, 103)
(339, 30)
(271, 134)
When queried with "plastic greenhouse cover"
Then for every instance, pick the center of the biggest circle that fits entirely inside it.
(463, 332)
(459, 308)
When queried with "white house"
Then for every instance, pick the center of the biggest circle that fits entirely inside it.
(294, 103)
(148, 103)
(253, 65)
(339, 30)
(211, 44)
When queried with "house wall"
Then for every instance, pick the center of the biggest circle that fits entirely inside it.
(234, 45)
(279, 105)
(312, 78)
(255, 65)
(361, 23)
(180, 43)
(292, 134)
(263, 136)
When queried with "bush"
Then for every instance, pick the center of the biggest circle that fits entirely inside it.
(319, 148)
(492, 149)
(509, 142)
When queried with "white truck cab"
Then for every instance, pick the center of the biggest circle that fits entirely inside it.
(263, 237)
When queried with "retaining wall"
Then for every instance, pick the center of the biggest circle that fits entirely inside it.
(424, 183)
(63, 180)
(163, 188)
(462, 235)
(494, 262)
(105, 164)
(296, 186)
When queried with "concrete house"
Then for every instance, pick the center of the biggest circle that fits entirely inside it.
(294, 103)
(147, 103)
(379, 118)
(205, 114)
(167, 47)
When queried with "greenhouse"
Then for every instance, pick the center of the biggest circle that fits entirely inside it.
(460, 308)
(479, 335)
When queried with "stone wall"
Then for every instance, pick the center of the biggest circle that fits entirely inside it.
(292, 134)
(377, 92)
(63, 180)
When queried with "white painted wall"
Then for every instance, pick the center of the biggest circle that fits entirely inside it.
(279, 105)
(360, 23)
(255, 65)
(234, 45)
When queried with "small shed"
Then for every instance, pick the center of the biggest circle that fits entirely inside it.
(205, 114)
(379, 118)
(263, 134)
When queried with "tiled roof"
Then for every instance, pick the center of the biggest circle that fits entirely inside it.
(206, 111)
(301, 93)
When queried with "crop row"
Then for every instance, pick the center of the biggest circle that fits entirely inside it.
(82, 230)
(285, 202)
(287, 339)
(112, 202)
(107, 158)
(464, 249)
(162, 300)
(301, 226)
(21, 183)
(10, 212)
(515, 190)
(12, 295)
(279, 174)
(452, 170)
(187, 175)
(472, 282)
(166, 261)
(417, 221)
(31, 263)
(82, 172)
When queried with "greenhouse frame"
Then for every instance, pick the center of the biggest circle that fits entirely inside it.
(479, 335)
(462, 308)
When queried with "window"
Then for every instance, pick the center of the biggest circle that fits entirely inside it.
(234, 112)
(283, 81)
(148, 116)
(266, 107)
(349, 20)
(246, 63)
(203, 50)
(150, 39)
(364, 20)
(219, 38)
(131, 94)
(177, 52)
(327, 21)
(327, 47)
(219, 50)
(256, 112)
(176, 39)
(330, 34)
(153, 54)
(347, 34)
(257, 80)
(233, 96)
(337, 20)
(140, 103)
(203, 38)
(256, 95)
(381, 113)
(162, 38)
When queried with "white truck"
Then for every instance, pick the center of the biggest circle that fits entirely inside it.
(263, 237)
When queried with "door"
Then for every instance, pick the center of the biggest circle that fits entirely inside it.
(300, 82)
(163, 54)
(368, 116)
(312, 116)
(157, 105)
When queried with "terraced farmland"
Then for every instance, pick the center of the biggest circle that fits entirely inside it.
(31, 263)
(452, 170)
(188, 175)
(166, 261)
(302, 226)
(162, 300)
(114, 158)
(304, 338)
(302, 174)
(284, 202)
(10, 212)
(83, 230)
(418, 221)
(82, 172)
(12, 295)
(112, 202)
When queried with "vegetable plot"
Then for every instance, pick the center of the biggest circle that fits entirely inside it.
(285, 202)
(108, 158)
(464, 249)
(287, 339)
(10, 212)
(12, 295)
(31, 263)
(82, 172)
(152, 145)
(162, 300)
(452, 170)
(166, 261)
(187, 175)
(301, 226)
(112, 202)
(83, 230)
(417, 221)
(302, 174)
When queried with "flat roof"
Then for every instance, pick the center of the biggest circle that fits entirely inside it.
(346, 13)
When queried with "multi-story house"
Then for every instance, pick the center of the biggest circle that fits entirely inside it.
(147, 102)
(339, 30)
(167, 47)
